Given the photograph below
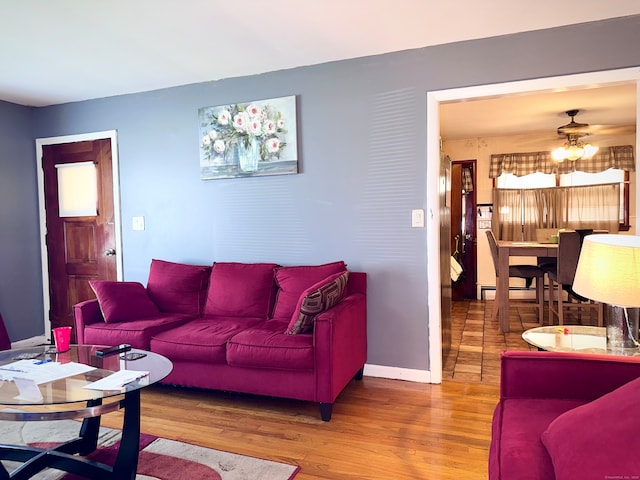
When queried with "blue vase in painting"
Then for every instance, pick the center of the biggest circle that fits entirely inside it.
(248, 154)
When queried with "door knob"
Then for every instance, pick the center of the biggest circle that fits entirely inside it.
(109, 253)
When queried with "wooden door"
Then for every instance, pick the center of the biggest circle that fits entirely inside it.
(463, 228)
(79, 249)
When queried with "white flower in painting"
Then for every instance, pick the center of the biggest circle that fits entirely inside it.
(206, 140)
(240, 121)
(253, 110)
(219, 146)
(280, 123)
(273, 145)
(269, 127)
(213, 134)
(255, 127)
(223, 117)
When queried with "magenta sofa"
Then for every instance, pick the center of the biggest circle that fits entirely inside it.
(566, 416)
(295, 332)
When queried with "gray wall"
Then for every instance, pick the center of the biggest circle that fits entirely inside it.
(20, 278)
(362, 149)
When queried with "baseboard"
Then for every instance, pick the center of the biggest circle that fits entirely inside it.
(396, 373)
(30, 342)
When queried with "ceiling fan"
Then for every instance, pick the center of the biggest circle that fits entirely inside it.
(573, 127)
(573, 149)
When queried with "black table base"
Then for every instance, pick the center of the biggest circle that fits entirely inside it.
(70, 456)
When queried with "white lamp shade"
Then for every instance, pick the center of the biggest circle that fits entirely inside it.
(609, 270)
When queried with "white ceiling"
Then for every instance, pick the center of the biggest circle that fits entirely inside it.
(72, 50)
(608, 110)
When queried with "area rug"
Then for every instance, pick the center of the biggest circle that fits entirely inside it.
(160, 458)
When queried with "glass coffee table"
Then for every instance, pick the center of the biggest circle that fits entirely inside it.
(574, 338)
(40, 396)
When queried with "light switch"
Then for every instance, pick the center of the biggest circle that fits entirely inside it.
(417, 218)
(138, 223)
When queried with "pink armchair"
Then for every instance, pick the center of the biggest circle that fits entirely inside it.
(5, 341)
(566, 416)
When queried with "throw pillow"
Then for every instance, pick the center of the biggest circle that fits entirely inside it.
(122, 301)
(292, 281)
(241, 289)
(316, 300)
(599, 439)
(177, 287)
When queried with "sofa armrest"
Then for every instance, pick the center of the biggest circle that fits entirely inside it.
(564, 375)
(86, 313)
(340, 345)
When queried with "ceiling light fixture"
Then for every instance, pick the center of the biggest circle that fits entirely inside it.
(574, 150)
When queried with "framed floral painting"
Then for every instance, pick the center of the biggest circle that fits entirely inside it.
(250, 139)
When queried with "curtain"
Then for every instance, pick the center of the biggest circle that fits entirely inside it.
(518, 213)
(506, 221)
(467, 180)
(520, 164)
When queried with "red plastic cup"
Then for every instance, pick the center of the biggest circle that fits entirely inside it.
(62, 338)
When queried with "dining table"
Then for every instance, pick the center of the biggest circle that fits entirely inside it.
(506, 250)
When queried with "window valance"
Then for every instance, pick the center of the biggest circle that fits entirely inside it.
(520, 164)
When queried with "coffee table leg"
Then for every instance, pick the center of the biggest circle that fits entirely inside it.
(89, 431)
(126, 463)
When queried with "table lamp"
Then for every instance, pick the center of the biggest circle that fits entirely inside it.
(609, 272)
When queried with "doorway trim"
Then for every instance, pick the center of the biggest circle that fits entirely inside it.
(434, 98)
(44, 258)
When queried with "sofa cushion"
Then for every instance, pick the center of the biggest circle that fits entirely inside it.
(136, 333)
(177, 287)
(315, 300)
(240, 290)
(599, 439)
(292, 281)
(201, 340)
(122, 301)
(517, 427)
(267, 346)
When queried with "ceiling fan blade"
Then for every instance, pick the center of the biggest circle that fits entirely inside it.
(613, 129)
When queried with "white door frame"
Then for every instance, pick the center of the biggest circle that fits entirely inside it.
(40, 142)
(434, 98)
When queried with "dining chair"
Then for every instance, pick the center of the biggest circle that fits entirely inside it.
(525, 271)
(561, 281)
(5, 341)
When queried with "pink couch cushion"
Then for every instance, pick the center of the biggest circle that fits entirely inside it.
(123, 301)
(517, 427)
(292, 281)
(599, 439)
(267, 346)
(240, 290)
(136, 333)
(177, 287)
(315, 300)
(201, 340)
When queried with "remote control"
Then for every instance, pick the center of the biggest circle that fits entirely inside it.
(133, 356)
(105, 352)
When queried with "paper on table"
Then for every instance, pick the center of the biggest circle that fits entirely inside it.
(28, 390)
(117, 380)
(42, 372)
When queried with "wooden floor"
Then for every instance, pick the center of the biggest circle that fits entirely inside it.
(381, 429)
